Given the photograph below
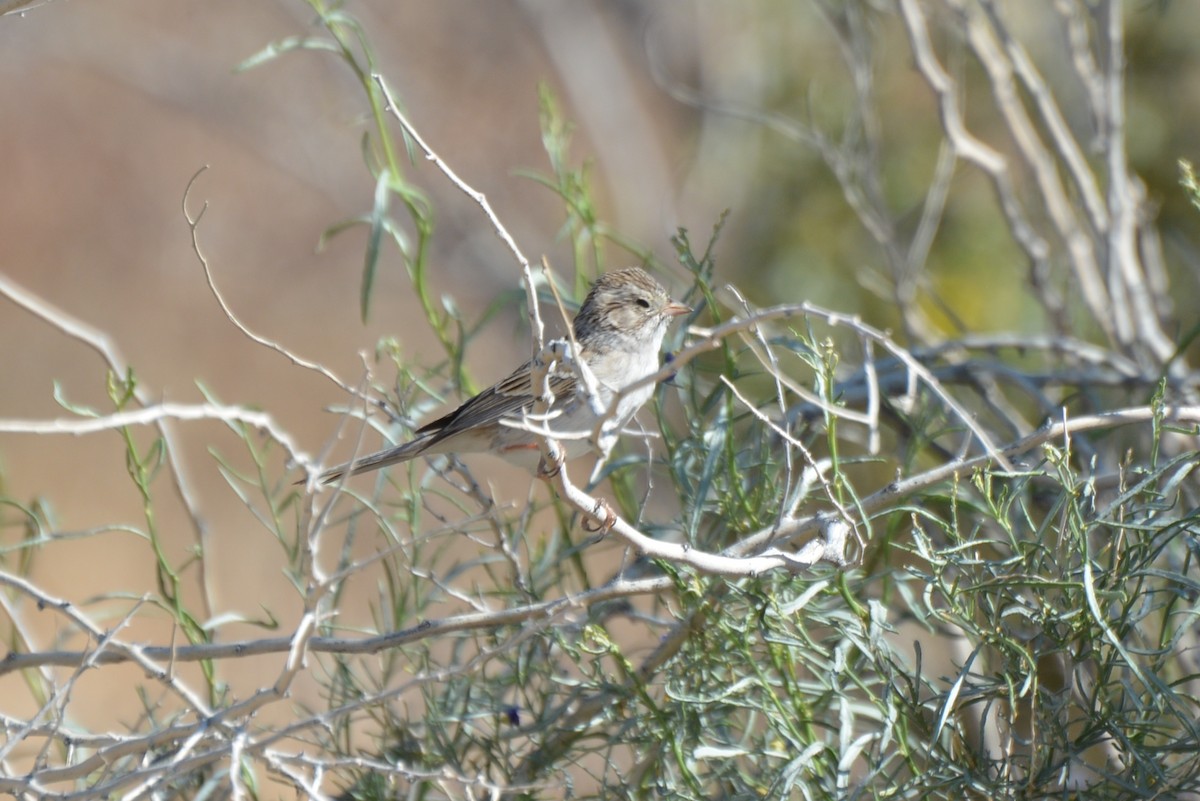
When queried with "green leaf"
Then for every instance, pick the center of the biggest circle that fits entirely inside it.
(276, 49)
(61, 399)
(378, 219)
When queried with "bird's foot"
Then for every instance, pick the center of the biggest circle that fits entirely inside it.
(548, 470)
(602, 519)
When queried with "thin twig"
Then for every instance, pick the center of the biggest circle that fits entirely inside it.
(193, 223)
(103, 345)
(535, 317)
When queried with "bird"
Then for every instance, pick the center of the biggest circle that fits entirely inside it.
(618, 331)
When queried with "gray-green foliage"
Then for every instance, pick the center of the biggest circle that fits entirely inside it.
(1017, 619)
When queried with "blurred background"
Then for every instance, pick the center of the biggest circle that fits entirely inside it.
(680, 111)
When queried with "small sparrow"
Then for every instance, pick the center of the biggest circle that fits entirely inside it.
(619, 331)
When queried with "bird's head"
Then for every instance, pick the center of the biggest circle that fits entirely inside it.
(625, 305)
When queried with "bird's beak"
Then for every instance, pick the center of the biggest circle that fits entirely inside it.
(675, 308)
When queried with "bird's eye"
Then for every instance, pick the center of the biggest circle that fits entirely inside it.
(645, 304)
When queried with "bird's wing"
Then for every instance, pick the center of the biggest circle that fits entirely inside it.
(506, 400)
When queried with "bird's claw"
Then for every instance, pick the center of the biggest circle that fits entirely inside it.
(602, 519)
(548, 470)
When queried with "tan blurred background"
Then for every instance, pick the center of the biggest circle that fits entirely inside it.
(109, 108)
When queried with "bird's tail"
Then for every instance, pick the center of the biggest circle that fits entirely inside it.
(374, 461)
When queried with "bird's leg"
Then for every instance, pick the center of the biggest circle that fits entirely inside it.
(547, 470)
(602, 520)
(551, 461)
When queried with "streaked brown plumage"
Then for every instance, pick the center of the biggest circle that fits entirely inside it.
(619, 330)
